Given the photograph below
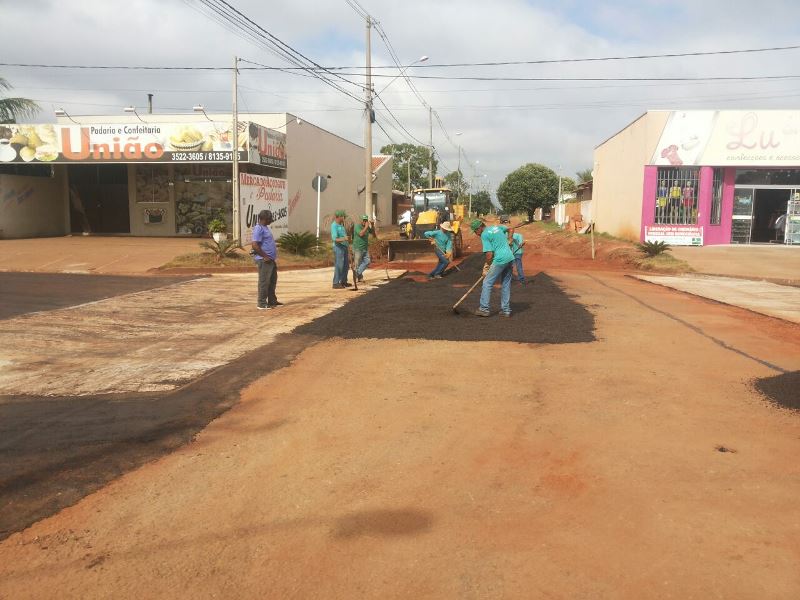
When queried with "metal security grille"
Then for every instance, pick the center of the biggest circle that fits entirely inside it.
(676, 196)
(716, 201)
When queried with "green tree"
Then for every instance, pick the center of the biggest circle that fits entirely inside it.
(530, 187)
(584, 175)
(12, 109)
(418, 155)
(568, 185)
(481, 203)
(456, 182)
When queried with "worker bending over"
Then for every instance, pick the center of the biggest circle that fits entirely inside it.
(443, 239)
(499, 260)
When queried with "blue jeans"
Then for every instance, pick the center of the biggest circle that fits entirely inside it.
(518, 265)
(362, 260)
(341, 263)
(443, 262)
(504, 273)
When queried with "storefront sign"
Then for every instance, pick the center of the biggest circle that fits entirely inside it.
(730, 138)
(205, 141)
(674, 235)
(266, 146)
(257, 193)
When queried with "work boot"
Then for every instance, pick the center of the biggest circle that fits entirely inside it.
(360, 278)
(481, 313)
(338, 286)
(505, 314)
(347, 284)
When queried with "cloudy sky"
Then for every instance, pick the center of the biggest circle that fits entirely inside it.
(503, 124)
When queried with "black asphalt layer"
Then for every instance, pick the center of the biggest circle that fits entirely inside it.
(55, 451)
(23, 293)
(542, 312)
(783, 390)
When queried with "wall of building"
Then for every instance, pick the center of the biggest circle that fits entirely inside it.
(618, 183)
(382, 191)
(34, 206)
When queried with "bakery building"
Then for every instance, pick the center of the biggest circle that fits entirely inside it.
(702, 177)
(170, 175)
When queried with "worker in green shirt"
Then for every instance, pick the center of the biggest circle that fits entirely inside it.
(341, 243)
(517, 242)
(361, 233)
(443, 238)
(498, 264)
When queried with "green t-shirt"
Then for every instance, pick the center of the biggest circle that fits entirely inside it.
(495, 239)
(359, 242)
(516, 246)
(338, 231)
(444, 242)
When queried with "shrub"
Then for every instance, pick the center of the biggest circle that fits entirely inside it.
(653, 248)
(223, 249)
(298, 243)
(217, 226)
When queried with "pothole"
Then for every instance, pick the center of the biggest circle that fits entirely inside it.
(724, 449)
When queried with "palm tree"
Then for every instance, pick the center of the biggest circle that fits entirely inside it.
(12, 109)
(584, 175)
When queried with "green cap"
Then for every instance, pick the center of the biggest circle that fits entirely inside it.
(475, 225)
(364, 218)
(340, 213)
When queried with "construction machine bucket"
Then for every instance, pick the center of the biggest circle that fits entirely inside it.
(407, 250)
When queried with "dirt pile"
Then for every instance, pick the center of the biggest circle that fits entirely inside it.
(410, 308)
(783, 390)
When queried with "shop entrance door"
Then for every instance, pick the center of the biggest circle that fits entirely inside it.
(769, 205)
(99, 199)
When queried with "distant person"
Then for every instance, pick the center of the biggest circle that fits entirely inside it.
(361, 233)
(498, 265)
(265, 254)
(443, 240)
(341, 242)
(517, 242)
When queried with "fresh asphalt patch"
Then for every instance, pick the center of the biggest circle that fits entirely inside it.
(782, 390)
(542, 312)
(24, 293)
(55, 451)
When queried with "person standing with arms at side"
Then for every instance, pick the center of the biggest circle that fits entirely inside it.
(517, 242)
(498, 264)
(361, 233)
(341, 243)
(443, 248)
(265, 254)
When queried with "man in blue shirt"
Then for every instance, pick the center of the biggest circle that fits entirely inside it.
(341, 246)
(499, 262)
(443, 247)
(517, 242)
(265, 254)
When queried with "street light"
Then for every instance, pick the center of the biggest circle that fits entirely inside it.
(421, 59)
(60, 112)
(132, 109)
(320, 184)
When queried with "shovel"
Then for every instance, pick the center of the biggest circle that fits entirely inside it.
(464, 297)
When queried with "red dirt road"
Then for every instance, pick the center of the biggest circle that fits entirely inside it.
(432, 469)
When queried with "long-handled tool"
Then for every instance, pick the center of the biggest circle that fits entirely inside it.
(387, 264)
(464, 297)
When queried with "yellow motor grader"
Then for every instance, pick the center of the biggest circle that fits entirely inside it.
(430, 207)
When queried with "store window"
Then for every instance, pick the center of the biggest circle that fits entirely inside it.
(716, 199)
(676, 196)
(152, 183)
(202, 193)
(768, 177)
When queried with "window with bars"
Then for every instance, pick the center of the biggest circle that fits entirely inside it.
(676, 196)
(716, 199)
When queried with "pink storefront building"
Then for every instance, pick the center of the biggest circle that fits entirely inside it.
(702, 178)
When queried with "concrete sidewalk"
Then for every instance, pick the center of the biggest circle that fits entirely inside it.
(780, 301)
(93, 254)
(776, 262)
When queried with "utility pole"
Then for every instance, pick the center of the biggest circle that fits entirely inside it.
(408, 166)
(150, 104)
(460, 199)
(430, 148)
(368, 129)
(237, 230)
(558, 205)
